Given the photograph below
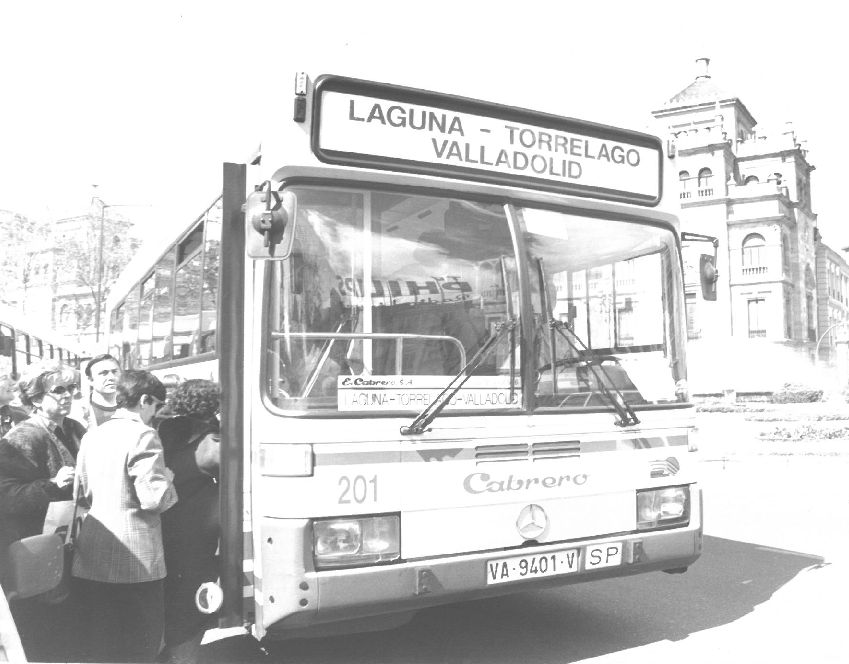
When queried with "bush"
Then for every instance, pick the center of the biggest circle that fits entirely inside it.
(806, 432)
(790, 393)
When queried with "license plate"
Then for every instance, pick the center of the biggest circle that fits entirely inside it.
(554, 563)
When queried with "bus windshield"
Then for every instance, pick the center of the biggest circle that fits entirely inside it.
(386, 296)
(607, 309)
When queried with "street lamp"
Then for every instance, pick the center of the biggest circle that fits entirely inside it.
(99, 303)
(822, 336)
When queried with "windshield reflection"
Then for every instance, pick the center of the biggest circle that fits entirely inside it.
(401, 289)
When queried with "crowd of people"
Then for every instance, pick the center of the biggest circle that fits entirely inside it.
(141, 465)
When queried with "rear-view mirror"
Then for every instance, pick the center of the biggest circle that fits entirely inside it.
(269, 222)
(708, 274)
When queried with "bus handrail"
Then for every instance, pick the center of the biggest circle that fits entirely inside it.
(376, 336)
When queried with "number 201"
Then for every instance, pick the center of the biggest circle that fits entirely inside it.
(357, 490)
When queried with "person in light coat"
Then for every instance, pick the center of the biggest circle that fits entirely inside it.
(119, 562)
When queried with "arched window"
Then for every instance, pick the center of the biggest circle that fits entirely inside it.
(64, 313)
(751, 179)
(684, 178)
(753, 250)
(705, 182)
(810, 281)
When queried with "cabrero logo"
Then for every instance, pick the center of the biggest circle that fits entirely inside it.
(485, 483)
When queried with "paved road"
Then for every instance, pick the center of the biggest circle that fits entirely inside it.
(768, 588)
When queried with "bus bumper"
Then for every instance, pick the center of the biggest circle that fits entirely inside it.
(291, 605)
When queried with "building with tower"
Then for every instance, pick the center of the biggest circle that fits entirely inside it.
(750, 189)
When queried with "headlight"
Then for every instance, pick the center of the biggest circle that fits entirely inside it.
(661, 508)
(356, 541)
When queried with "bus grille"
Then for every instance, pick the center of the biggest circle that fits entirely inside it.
(566, 449)
(563, 449)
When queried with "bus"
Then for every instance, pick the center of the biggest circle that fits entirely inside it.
(451, 340)
(22, 343)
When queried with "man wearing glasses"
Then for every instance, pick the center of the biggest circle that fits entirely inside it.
(120, 563)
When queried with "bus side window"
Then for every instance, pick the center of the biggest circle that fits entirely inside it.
(22, 345)
(145, 323)
(211, 265)
(162, 310)
(7, 341)
(115, 323)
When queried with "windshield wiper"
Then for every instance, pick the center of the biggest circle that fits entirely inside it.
(627, 416)
(508, 303)
(430, 412)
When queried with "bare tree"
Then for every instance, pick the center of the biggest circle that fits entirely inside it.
(24, 244)
(78, 261)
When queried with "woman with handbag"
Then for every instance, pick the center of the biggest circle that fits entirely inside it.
(190, 529)
(37, 460)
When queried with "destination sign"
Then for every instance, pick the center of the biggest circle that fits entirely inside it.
(413, 393)
(485, 142)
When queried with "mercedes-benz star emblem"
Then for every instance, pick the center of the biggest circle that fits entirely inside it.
(532, 522)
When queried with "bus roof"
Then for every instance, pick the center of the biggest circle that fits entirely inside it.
(147, 257)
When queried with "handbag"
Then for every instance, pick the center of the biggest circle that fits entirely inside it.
(63, 589)
(34, 566)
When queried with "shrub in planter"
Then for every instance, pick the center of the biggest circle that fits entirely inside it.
(790, 393)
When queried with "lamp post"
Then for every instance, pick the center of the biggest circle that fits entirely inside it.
(822, 336)
(103, 207)
(97, 315)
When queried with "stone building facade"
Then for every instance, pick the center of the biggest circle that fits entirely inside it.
(63, 270)
(832, 275)
(751, 189)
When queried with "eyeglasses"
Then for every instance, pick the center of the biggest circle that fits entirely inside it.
(59, 390)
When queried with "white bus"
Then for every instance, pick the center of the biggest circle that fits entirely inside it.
(23, 343)
(451, 339)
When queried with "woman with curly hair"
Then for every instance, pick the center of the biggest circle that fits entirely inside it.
(190, 528)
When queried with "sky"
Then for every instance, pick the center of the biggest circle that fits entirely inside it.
(146, 100)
